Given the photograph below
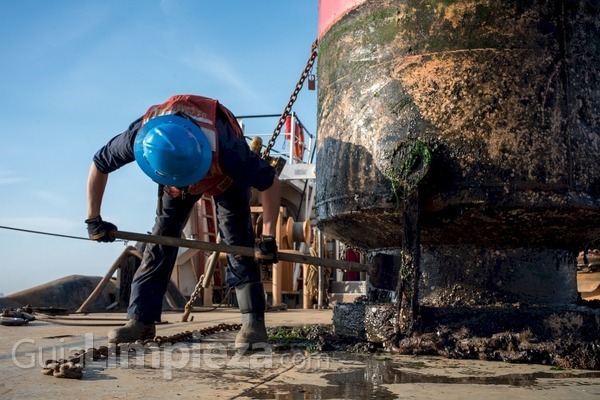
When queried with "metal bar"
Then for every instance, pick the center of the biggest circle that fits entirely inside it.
(130, 250)
(320, 294)
(284, 255)
(292, 137)
(212, 264)
(257, 116)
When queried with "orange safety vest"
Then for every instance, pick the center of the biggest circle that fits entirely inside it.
(204, 112)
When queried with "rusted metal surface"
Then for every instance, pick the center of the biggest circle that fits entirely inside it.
(501, 102)
(471, 275)
(506, 94)
(554, 335)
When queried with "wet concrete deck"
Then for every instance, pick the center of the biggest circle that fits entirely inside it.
(210, 370)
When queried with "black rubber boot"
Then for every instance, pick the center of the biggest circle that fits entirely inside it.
(133, 330)
(251, 300)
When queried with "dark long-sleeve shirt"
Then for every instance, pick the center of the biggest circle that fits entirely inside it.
(235, 157)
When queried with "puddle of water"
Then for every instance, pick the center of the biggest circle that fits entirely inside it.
(348, 391)
(367, 382)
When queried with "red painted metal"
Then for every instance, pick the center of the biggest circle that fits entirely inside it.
(330, 11)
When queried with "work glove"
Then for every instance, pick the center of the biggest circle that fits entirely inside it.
(265, 251)
(100, 231)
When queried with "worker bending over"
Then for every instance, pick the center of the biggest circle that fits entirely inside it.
(191, 145)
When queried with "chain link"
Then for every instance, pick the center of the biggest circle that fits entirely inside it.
(73, 366)
(194, 295)
(293, 97)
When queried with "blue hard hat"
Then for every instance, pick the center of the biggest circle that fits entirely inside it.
(172, 151)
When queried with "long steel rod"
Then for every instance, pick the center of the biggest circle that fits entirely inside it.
(284, 255)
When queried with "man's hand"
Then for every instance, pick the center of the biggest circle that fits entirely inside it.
(265, 251)
(100, 231)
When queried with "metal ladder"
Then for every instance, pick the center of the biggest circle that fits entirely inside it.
(208, 228)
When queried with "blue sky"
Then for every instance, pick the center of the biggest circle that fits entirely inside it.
(75, 73)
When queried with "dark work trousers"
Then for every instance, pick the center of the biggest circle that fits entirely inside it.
(152, 277)
(235, 226)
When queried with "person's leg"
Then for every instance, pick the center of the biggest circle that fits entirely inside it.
(243, 273)
(152, 277)
(235, 226)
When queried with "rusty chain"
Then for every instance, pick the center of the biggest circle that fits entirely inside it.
(293, 97)
(190, 304)
(72, 367)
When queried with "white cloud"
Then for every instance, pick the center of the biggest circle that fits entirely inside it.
(8, 177)
(220, 70)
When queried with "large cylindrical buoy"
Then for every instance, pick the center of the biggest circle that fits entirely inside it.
(491, 110)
